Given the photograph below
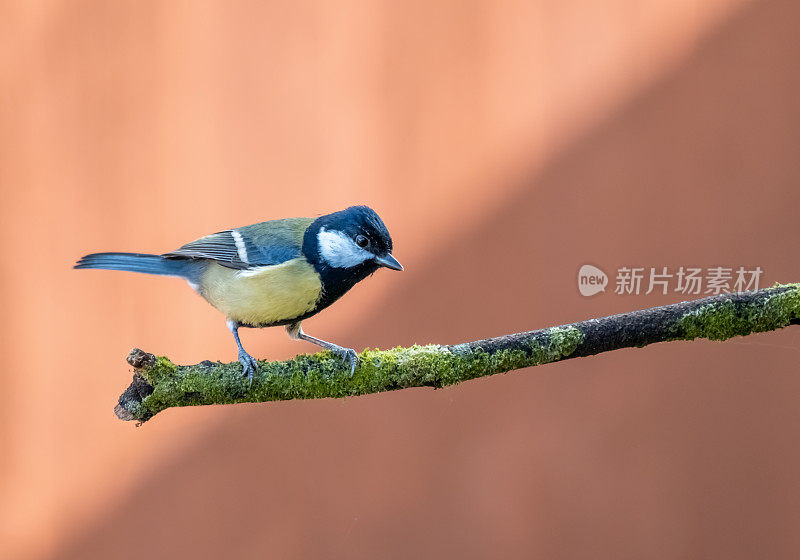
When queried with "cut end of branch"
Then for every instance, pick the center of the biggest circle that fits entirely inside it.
(130, 402)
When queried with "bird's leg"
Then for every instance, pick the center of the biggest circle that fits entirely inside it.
(249, 364)
(296, 332)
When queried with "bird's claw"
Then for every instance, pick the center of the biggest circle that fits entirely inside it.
(350, 355)
(249, 365)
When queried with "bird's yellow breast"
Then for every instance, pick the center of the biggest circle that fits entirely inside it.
(263, 295)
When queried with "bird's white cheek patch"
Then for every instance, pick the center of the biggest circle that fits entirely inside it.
(338, 250)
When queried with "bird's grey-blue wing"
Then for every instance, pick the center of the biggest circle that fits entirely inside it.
(263, 244)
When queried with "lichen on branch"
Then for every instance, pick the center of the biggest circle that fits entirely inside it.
(159, 384)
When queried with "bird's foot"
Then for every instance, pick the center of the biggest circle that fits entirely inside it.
(249, 365)
(347, 354)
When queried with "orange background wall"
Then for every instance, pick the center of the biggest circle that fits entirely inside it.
(505, 144)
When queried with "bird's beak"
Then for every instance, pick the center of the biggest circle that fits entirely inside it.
(389, 262)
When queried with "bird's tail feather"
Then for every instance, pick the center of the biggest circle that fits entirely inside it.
(135, 262)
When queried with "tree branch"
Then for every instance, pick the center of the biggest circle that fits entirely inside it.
(159, 384)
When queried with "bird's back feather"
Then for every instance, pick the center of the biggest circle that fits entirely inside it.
(266, 243)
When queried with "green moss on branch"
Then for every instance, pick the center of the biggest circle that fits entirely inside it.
(726, 319)
(324, 374)
(159, 384)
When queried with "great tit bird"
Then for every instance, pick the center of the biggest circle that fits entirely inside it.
(273, 273)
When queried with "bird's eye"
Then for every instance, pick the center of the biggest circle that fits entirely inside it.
(362, 241)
